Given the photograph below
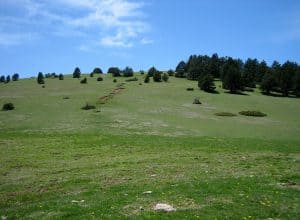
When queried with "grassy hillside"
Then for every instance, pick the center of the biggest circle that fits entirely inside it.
(59, 161)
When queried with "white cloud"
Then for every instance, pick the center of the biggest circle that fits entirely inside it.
(146, 41)
(14, 39)
(116, 23)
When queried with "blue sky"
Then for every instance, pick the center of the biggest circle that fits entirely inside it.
(58, 35)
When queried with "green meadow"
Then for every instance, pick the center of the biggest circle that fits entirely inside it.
(61, 162)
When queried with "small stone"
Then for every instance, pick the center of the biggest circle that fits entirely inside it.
(141, 208)
(3, 217)
(164, 207)
(147, 192)
(153, 175)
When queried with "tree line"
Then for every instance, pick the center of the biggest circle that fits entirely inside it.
(8, 78)
(237, 76)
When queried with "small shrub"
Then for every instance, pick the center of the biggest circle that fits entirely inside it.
(8, 107)
(92, 74)
(99, 79)
(157, 76)
(197, 101)
(115, 80)
(61, 77)
(88, 107)
(66, 97)
(131, 79)
(190, 89)
(147, 79)
(253, 113)
(226, 114)
(83, 81)
(43, 87)
(165, 77)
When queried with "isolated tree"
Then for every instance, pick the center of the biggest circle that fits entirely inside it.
(268, 83)
(7, 79)
(2, 79)
(97, 70)
(206, 83)
(231, 75)
(165, 77)
(147, 79)
(285, 78)
(142, 72)
(115, 71)
(15, 77)
(128, 72)
(76, 73)
(151, 71)
(40, 78)
(61, 76)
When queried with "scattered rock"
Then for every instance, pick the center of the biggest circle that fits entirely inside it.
(197, 101)
(147, 192)
(3, 217)
(75, 201)
(164, 207)
(141, 208)
(153, 175)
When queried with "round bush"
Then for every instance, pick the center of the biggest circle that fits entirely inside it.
(253, 113)
(83, 81)
(99, 79)
(8, 107)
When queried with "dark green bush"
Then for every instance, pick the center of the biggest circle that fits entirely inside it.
(206, 83)
(157, 76)
(83, 81)
(115, 80)
(226, 114)
(88, 107)
(253, 113)
(8, 106)
(190, 89)
(99, 78)
(147, 79)
(165, 77)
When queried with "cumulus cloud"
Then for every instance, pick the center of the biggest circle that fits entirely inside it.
(115, 23)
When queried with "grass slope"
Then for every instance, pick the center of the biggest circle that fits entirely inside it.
(58, 161)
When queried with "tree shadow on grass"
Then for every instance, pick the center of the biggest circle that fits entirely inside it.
(237, 93)
(280, 95)
(213, 92)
